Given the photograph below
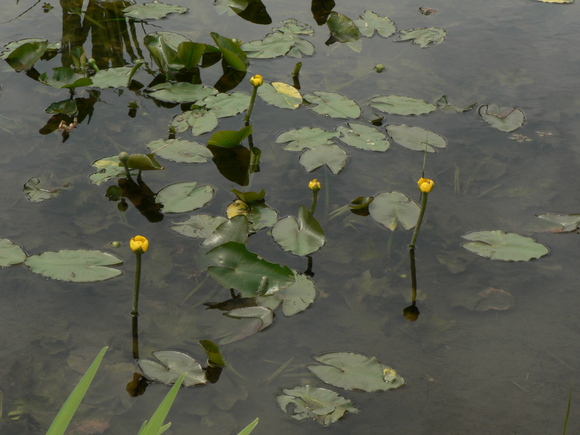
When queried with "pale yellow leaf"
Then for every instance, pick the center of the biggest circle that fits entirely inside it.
(289, 90)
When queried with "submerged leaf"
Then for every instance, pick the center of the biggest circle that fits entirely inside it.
(75, 266)
(320, 404)
(423, 37)
(565, 222)
(10, 253)
(152, 11)
(252, 319)
(36, 193)
(494, 299)
(353, 371)
(498, 245)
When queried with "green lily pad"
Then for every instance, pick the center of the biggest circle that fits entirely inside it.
(23, 54)
(353, 371)
(330, 155)
(181, 92)
(416, 138)
(108, 168)
(305, 138)
(200, 121)
(115, 77)
(261, 216)
(236, 267)
(505, 119)
(333, 105)
(298, 296)
(214, 356)
(66, 107)
(565, 223)
(280, 95)
(235, 229)
(75, 266)
(364, 137)
(224, 105)
(229, 138)
(199, 226)
(498, 245)
(398, 105)
(152, 11)
(342, 28)
(10, 253)
(423, 37)
(64, 77)
(322, 405)
(300, 236)
(36, 193)
(182, 151)
(392, 208)
(186, 196)
(285, 41)
(369, 22)
(170, 365)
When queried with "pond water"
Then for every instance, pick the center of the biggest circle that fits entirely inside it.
(467, 371)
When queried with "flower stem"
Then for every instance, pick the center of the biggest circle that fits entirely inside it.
(314, 201)
(419, 220)
(135, 311)
(251, 106)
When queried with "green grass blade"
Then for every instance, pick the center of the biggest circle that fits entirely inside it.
(249, 428)
(153, 426)
(65, 415)
(568, 410)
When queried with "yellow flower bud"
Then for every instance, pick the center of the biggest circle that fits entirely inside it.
(257, 81)
(236, 208)
(139, 244)
(315, 185)
(425, 185)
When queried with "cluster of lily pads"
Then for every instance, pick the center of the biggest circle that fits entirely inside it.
(263, 286)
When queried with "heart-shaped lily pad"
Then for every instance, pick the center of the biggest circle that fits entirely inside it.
(498, 245)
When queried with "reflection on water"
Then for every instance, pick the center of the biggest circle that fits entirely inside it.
(464, 367)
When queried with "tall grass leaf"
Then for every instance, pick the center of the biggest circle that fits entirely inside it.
(153, 426)
(64, 416)
(249, 428)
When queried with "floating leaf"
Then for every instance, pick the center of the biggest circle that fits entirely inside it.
(364, 137)
(200, 121)
(342, 28)
(321, 405)
(423, 37)
(200, 226)
(298, 296)
(280, 95)
(10, 253)
(330, 155)
(108, 168)
(283, 42)
(353, 371)
(64, 77)
(233, 54)
(300, 236)
(369, 22)
(416, 138)
(392, 208)
(565, 222)
(333, 105)
(397, 105)
(181, 92)
(186, 196)
(261, 216)
(223, 105)
(66, 107)
(75, 266)
(152, 11)
(505, 119)
(170, 365)
(494, 299)
(305, 138)
(182, 151)
(37, 193)
(236, 267)
(235, 229)
(164, 48)
(229, 138)
(115, 77)
(556, 1)
(498, 245)
(23, 54)
(215, 357)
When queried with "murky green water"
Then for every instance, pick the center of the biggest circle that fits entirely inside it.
(468, 372)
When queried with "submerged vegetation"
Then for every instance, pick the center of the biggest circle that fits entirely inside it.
(258, 279)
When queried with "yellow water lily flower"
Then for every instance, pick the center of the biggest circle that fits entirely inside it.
(236, 208)
(315, 185)
(256, 80)
(425, 185)
(139, 244)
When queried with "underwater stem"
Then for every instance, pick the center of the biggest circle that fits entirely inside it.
(419, 220)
